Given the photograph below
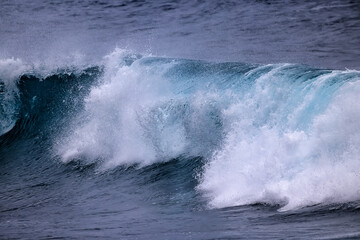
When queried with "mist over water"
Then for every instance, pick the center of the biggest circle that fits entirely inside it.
(179, 120)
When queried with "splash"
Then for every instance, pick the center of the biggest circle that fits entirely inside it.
(279, 134)
(302, 153)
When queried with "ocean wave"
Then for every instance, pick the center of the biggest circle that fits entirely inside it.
(282, 134)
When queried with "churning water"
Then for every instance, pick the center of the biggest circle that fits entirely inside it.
(179, 120)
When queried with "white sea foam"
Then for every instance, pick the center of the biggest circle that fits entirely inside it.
(291, 167)
(281, 135)
(134, 117)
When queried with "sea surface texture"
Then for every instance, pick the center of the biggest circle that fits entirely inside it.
(179, 119)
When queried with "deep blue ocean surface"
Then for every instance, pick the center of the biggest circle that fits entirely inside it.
(179, 119)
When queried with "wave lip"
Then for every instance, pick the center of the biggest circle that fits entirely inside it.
(10, 70)
(35, 104)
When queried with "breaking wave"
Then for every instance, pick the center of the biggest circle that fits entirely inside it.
(282, 134)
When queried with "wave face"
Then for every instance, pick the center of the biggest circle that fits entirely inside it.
(281, 134)
(38, 103)
(10, 69)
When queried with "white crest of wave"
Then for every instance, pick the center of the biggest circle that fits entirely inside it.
(133, 117)
(11, 69)
(110, 129)
(286, 166)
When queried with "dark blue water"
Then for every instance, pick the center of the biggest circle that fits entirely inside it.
(179, 120)
(319, 33)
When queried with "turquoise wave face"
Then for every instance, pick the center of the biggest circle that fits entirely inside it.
(38, 105)
(266, 132)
